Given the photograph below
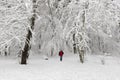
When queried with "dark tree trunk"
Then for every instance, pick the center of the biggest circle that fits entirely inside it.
(6, 51)
(27, 46)
(81, 55)
(74, 44)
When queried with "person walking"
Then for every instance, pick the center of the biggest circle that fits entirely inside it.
(61, 55)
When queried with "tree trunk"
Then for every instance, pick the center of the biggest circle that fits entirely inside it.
(82, 50)
(52, 50)
(27, 46)
(6, 51)
(81, 55)
(74, 44)
(26, 49)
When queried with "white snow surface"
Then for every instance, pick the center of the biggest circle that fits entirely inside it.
(69, 69)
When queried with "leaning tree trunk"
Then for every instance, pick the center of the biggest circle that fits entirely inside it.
(25, 53)
(81, 55)
(26, 48)
(81, 50)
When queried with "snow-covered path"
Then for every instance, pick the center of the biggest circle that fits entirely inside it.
(53, 69)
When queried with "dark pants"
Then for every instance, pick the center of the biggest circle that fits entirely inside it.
(60, 58)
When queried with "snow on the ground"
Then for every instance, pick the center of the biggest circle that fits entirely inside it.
(69, 69)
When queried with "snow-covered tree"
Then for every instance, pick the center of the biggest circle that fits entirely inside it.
(13, 23)
(29, 35)
(103, 17)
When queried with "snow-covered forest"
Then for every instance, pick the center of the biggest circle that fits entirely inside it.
(41, 28)
(93, 25)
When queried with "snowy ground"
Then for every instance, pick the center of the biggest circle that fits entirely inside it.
(69, 69)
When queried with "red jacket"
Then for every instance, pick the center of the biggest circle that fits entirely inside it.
(61, 53)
